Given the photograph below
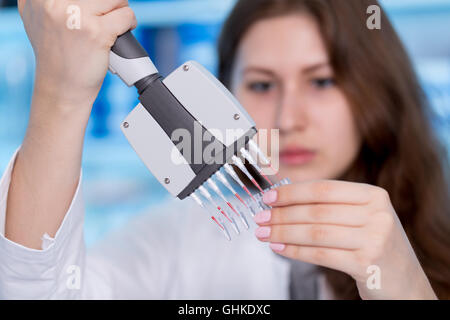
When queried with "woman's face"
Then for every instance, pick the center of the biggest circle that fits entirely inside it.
(283, 78)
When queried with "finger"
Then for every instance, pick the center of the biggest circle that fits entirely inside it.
(105, 6)
(312, 235)
(337, 259)
(319, 191)
(119, 21)
(333, 214)
(20, 5)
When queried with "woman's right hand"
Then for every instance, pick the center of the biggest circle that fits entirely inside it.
(72, 62)
(70, 66)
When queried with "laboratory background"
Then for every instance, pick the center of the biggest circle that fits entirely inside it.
(117, 186)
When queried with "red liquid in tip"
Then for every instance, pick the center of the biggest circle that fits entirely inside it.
(229, 204)
(249, 193)
(257, 185)
(274, 171)
(226, 216)
(215, 220)
(237, 196)
(266, 178)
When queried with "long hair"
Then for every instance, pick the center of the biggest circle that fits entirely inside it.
(399, 151)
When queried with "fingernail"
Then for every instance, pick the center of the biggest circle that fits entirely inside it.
(262, 217)
(277, 246)
(262, 232)
(270, 197)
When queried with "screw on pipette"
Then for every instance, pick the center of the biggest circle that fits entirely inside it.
(220, 224)
(208, 196)
(229, 169)
(252, 161)
(214, 186)
(241, 166)
(224, 180)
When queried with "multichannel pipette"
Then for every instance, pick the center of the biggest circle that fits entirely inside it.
(188, 101)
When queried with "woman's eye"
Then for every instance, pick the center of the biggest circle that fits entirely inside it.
(260, 87)
(322, 83)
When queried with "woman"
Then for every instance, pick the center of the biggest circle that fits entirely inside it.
(344, 112)
(349, 107)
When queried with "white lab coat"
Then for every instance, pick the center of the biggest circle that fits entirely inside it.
(173, 252)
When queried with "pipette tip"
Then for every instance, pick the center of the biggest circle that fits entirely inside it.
(257, 185)
(224, 214)
(240, 199)
(248, 192)
(267, 179)
(224, 230)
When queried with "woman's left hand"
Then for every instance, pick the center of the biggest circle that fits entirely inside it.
(350, 227)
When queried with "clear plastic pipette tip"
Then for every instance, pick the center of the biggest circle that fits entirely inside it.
(264, 159)
(208, 196)
(223, 227)
(241, 166)
(214, 186)
(218, 220)
(229, 169)
(224, 180)
(197, 199)
(252, 161)
(254, 147)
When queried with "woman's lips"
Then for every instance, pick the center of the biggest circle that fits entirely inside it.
(296, 156)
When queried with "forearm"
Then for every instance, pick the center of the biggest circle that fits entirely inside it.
(47, 169)
(70, 68)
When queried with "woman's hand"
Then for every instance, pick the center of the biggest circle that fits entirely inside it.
(348, 227)
(71, 62)
(70, 66)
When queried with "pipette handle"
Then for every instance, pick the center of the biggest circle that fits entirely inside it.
(129, 60)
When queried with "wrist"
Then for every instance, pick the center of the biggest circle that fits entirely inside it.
(53, 114)
(63, 96)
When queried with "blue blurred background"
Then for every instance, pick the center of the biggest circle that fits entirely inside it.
(116, 184)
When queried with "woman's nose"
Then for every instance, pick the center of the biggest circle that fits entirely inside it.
(291, 112)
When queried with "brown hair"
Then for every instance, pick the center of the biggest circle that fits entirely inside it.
(399, 151)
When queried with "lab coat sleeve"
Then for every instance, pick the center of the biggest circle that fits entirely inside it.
(140, 260)
(56, 272)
